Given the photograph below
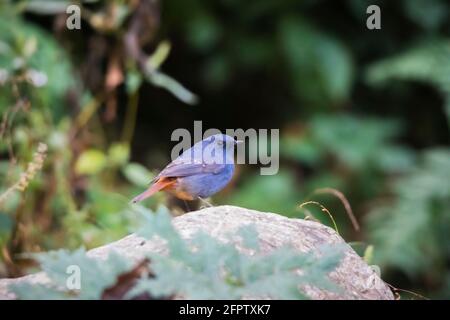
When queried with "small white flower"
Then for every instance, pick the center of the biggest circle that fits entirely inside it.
(37, 78)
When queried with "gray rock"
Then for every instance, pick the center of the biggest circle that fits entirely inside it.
(358, 280)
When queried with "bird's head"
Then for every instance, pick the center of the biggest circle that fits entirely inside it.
(222, 141)
(218, 148)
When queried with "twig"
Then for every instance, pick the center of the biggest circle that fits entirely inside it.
(395, 290)
(323, 210)
(344, 201)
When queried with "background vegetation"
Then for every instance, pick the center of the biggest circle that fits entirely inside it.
(86, 118)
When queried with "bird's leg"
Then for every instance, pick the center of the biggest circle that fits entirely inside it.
(206, 202)
(187, 206)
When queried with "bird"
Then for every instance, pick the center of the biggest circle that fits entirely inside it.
(199, 172)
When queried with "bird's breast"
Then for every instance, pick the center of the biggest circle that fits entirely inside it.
(204, 185)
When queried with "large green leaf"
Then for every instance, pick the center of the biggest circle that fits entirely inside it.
(320, 66)
(427, 62)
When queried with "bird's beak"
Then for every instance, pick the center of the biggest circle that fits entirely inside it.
(239, 141)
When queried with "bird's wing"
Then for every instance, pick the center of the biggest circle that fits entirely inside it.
(184, 168)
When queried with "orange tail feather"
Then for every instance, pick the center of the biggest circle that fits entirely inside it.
(157, 186)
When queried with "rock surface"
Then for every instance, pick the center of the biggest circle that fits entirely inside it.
(358, 280)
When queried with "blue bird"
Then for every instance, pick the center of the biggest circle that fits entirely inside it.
(199, 172)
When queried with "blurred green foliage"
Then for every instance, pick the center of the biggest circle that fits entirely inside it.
(365, 112)
(411, 233)
(428, 62)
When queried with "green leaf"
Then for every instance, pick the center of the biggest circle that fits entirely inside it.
(160, 224)
(160, 55)
(429, 14)
(137, 174)
(426, 62)
(301, 148)
(159, 79)
(203, 31)
(118, 154)
(90, 162)
(321, 67)
(337, 134)
(95, 275)
(29, 291)
(43, 57)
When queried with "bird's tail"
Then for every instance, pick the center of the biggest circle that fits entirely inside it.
(157, 186)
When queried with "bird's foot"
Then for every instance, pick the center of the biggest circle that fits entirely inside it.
(206, 202)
